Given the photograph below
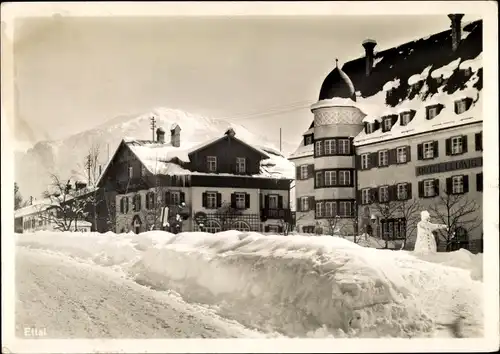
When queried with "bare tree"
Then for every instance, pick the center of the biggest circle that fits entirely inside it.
(226, 214)
(457, 211)
(334, 225)
(409, 210)
(287, 223)
(63, 208)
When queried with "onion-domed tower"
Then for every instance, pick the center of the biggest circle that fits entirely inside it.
(336, 122)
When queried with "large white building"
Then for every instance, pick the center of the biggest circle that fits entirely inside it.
(396, 126)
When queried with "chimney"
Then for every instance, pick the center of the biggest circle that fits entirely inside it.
(31, 200)
(230, 132)
(160, 135)
(369, 45)
(456, 29)
(175, 135)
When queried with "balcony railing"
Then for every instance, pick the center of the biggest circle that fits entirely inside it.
(279, 213)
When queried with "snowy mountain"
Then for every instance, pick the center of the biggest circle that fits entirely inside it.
(66, 157)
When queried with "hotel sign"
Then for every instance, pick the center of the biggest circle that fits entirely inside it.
(449, 166)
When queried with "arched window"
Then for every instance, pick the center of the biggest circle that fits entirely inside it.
(212, 226)
(241, 226)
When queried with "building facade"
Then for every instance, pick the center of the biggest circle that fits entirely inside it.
(402, 127)
(222, 184)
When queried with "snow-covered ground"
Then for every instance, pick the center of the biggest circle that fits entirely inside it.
(296, 286)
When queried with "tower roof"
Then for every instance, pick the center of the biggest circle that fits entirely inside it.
(337, 85)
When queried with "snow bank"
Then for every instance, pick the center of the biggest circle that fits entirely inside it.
(296, 285)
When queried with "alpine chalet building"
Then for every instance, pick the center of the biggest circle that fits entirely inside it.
(401, 125)
(221, 184)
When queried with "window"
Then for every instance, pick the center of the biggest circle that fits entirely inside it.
(240, 165)
(388, 230)
(241, 226)
(344, 208)
(402, 190)
(174, 198)
(304, 172)
(428, 149)
(143, 171)
(212, 226)
(308, 140)
(383, 158)
(130, 172)
(124, 205)
(240, 200)
(387, 124)
(319, 179)
(383, 194)
(344, 178)
(369, 128)
(401, 154)
(330, 178)
(330, 147)
(212, 163)
(460, 106)
(304, 203)
(429, 190)
(432, 112)
(405, 118)
(211, 200)
(318, 148)
(457, 184)
(330, 209)
(479, 141)
(365, 196)
(137, 202)
(273, 201)
(150, 200)
(364, 161)
(319, 209)
(479, 182)
(344, 146)
(456, 145)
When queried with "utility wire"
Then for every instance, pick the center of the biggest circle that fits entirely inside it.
(295, 106)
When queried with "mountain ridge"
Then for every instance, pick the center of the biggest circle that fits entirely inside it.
(65, 157)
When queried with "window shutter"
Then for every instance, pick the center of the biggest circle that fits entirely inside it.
(448, 147)
(393, 192)
(408, 191)
(311, 204)
(449, 185)
(383, 126)
(479, 141)
(358, 197)
(280, 201)
(266, 202)
(408, 153)
(297, 172)
(421, 189)
(247, 166)
(394, 119)
(466, 183)
(420, 151)
(373, 160)
(436, 148)
(219, 200)
(298, 205)
(203, 199)
(436, 186)
(351, 146)
(182, 197)
(148, 198)
(310, 170)
(479, 182)
(392, 156)
(366, 127)
(247, 200)
(261, 201)
(122, 206)
(233, 200)
(358, 162)
(464, 143)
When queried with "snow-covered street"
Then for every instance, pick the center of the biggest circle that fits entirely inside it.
(235, 284)
(63, 299)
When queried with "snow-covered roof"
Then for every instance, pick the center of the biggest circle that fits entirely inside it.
(419, 124)
(161, 158)
(446, 71)
(419, 77)
(302, 151)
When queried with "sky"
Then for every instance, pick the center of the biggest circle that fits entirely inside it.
(73, 74)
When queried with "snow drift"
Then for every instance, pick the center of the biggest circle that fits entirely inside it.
(296, 286)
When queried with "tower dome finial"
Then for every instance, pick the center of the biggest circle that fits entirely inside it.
(336, 62)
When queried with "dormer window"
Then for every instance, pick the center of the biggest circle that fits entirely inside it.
(439, 79)
(433, 111)
(308, 140)
(369, 128)
(387, 124)
(462, 105)
(405, 118)
(468, 72)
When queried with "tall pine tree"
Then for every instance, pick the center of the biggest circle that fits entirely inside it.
(18, 199)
